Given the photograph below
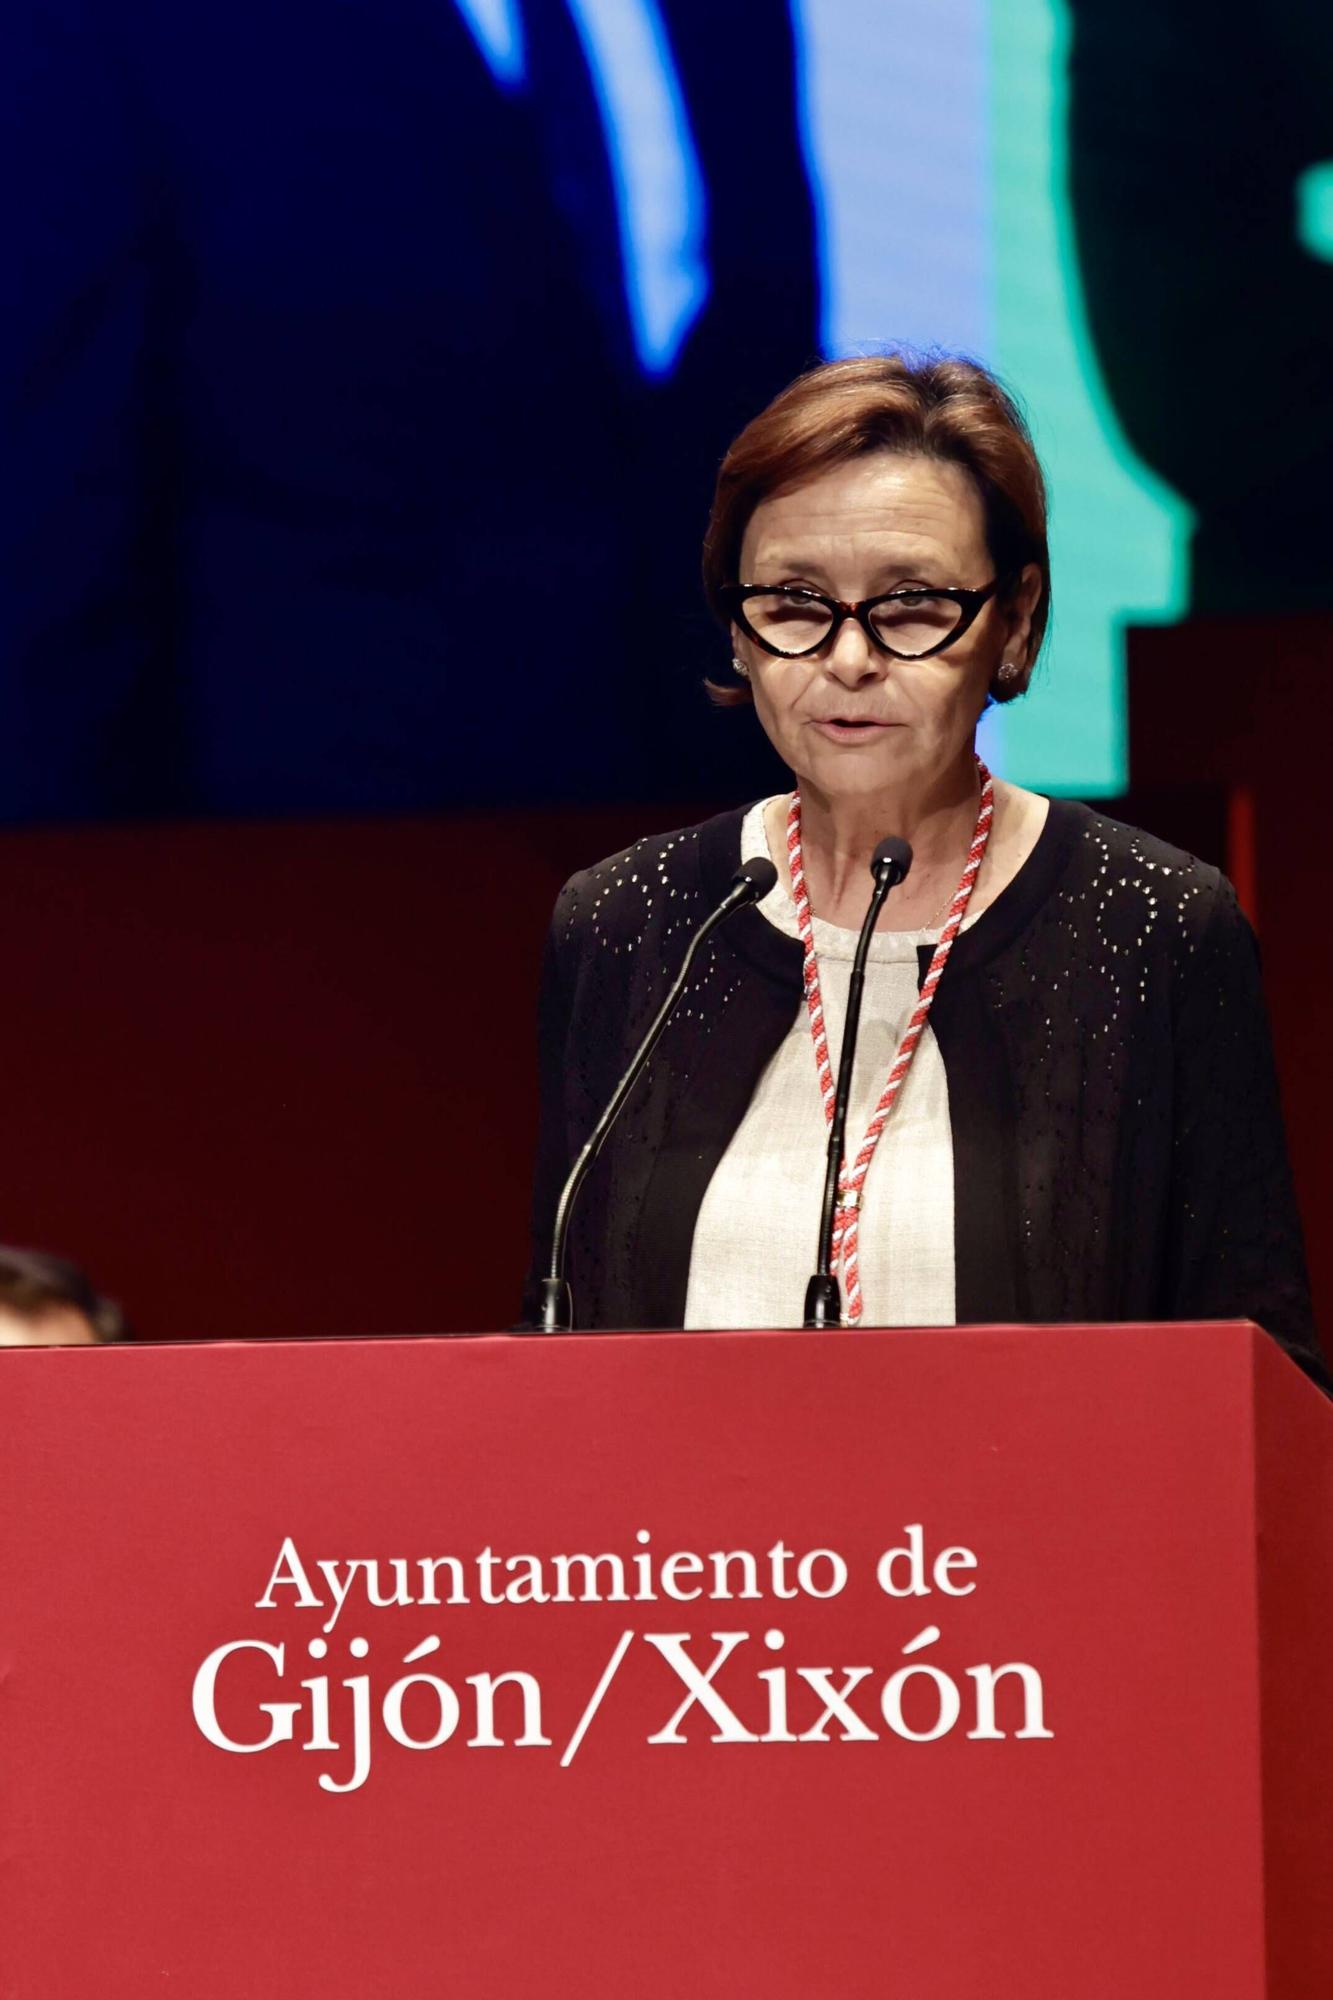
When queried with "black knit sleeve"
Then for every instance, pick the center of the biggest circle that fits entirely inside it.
(1234, 1240)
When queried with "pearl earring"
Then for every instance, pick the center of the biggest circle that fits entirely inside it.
(739, 667)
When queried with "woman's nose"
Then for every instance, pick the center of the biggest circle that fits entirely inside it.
(851, 658)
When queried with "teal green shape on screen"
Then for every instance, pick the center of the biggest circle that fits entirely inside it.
(1314, 211)
(1119, 534)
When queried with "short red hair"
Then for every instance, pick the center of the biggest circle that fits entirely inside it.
(942, 407)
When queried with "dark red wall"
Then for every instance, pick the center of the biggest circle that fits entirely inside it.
(1236, 711)
(278, 1079)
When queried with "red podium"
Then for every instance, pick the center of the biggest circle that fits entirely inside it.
(939, 1665)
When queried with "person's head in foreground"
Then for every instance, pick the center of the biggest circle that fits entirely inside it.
(46, 1301)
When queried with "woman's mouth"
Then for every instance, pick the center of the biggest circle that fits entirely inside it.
(853, 729)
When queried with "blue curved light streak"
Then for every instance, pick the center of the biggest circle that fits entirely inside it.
(659, 188)
(497, 29)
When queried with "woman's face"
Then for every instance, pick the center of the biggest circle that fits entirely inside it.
(853, 720)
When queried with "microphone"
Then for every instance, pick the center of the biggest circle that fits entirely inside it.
(749, 885)
(889, 864)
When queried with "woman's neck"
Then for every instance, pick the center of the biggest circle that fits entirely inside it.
(839, 835)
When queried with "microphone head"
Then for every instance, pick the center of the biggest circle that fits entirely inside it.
(892, 854)
(756, 877)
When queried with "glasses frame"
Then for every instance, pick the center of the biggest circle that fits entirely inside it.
(735, 595)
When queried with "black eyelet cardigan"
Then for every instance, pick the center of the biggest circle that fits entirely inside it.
(1117, 1135)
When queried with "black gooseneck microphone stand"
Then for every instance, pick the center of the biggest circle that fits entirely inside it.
(889, 865)
(749, 885)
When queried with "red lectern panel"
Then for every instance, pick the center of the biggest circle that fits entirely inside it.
(924, 1664)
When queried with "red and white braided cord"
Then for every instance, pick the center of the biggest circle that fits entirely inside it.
(846, 1224)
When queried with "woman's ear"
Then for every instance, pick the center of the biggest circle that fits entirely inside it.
(1020, 611)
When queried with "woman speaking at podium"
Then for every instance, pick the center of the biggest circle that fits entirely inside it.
(1063, 1104)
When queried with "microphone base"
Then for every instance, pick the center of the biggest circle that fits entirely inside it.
(557, 1308)
(823, 1304)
